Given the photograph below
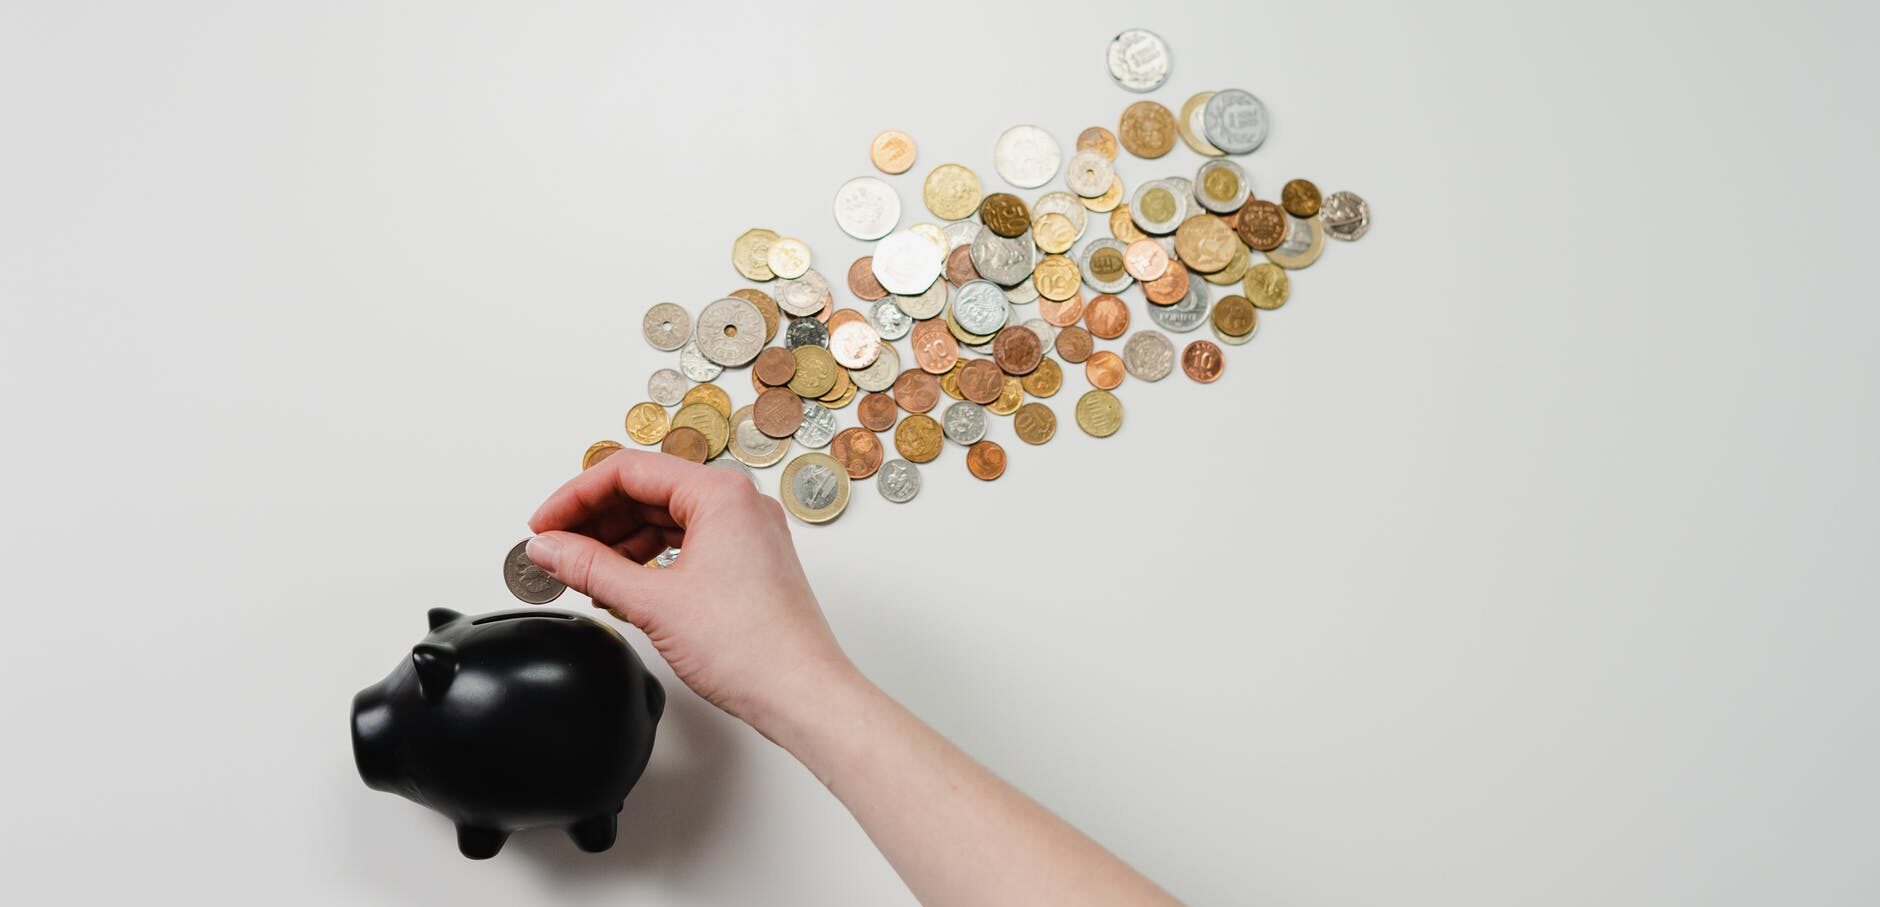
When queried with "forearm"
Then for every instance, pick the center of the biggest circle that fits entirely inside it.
(955, 832)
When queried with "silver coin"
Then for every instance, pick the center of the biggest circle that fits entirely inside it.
(819, 425)
(980, 307)
(1021, 293)
(730, 331)
(526, 581)
(1089, 174)
(667, 326)
(961, 233)
(926, 305)
(1046, 331)
(898, 481)
(1123, 279)
(1184, 192)
(666, 558)
(1187, 313)
(1345, 216)
(855, 344)
(867, 208)
(1234, 199)
(805, 295)
(816, 486)
(1002, 260)
(695, 366)
(1196, 129)
(805, 332)
(1139, 60)
(1234, 121)
(1230, 339)
(1066, 204)
(666, 387)
(735, 466)
(906, 263)
(752, 447)
(1302, 246)
(1167, 225)
(937, 236)
(964, 422)
(1149, 355)
(886, 317)
(880, 374)
(1026, 156)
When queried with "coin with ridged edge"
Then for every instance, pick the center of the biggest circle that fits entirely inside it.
(898, 481)
(527, 582)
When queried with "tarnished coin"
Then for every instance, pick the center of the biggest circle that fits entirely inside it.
(980, 307)
(749, 445)
(855, 344)
(1345, 216)
(1188, 313)
(981, 381)
(1149, 355)
(527, 582)
(1053, 233)
(951, 192)
(1188, 124)
(1169, 288)
(916, 391)
(694, 365)
(1089, 174)
(985, 460)
(666, 387)
(598, 451)
(1235, 315)
(1234, 121)
(1300, 198)
(1104, 264)
(1005, 214)
(1304, 243)
(906, 263)
(1145, 259)
(778, 412)
(804, 295)
(1043, 380)
(892, 151)
(1203, 361)
(1221, 186)
(1017, 350)
(711, 395)
(1104, 369)
(1147, 129)
(1158, 207)
(867, 208)
(708, 421)
(1106, 316)
(687, 443)
(877, 412)
(858, 450)
(750, 254)
(918, 438)
(788, 257)
(1205, 243)
(1267, 286)
(964, 422)
(1262, 225)
(730, 331)
(1098, 139)
(862, 280)
(1056, 277)
(1026, 156)
(1139, 60)
(775, 366)
(935, 350)
(1035, 423)
(819, 425)
(815, 371)
(667, 326)
(898, 481)
(1073, 344)
(1004, 260)
(1099, 413)
(647, 423)
(814, 488)
(805, 332)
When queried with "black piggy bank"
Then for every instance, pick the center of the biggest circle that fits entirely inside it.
(510, 720)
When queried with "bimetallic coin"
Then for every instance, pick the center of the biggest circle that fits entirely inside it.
(980, 307)
(1203, 361)
(1304, 243)
(805, 332)
(1089, 174)
(964, 422)
(788, 257)
(1149, 355)
(1004, 260)
(985, 460)
(527, 582)
(667, 326)
(951, 192)
(1099, 413)
(867, 208)
(598, 451)
(907, 263)
(1139, 60)
(1106, 316)
(804, 295)
(666, 387)
(730, 331)
(695, 366)
(1267, 286)
(1098, 139)
(1221, 186)
(815, 488)
(1035, 423)
(918, 438)
(1188, 125)
(889, 322)
(1043, 380)
(1234, 121)
(1158, 207)
(687, 443)
(1186, 314)
(1235, 316)
(880, 374)
(1147, 129)
(858, 450)
(1300, 198)
(750, 254)
(892, 151)
(749, 445)
(1105, 266)
(898, 481)
(1026, 156)
(854, 344)
(1345, 216)
(819, 425)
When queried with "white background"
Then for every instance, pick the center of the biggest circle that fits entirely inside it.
(1527, 556)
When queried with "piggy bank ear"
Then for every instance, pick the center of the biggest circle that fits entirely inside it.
(442, 616)
(437, 666)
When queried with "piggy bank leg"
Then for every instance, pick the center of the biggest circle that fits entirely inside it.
(595, 833)
(480, 843)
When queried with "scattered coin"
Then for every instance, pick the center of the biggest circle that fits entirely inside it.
(730, 331)
(1157, 207)
(959, 266)
(1098, 139)
(1104, 369)
(1110, 198)
(788, 257)
(804, 295)
(1073, 343)
(687, 443)
(1203, 361)
(916, 391)
(876, 411)
(819, 425)
(1147, 129)
(858, 450)
(711, 395)
(1262, 225)
(1003, 260)
(1188, 125)
(1267, 286)
(1300, 198)
(862, 280)
(1235, 315)
(805, 332)
(1053, 233)
(854, 344)
(1345, 215)
(951, 192)
(1056, 277)
(694, 365)
(598, 451)
(980, 307)
(646, 423)
(1304, 243)
(889, 320)
(708, 421)
(1035, 423)
(892, 151)
(1106, 316)
(527, 582)
(777, 412)
(749, 445)
(981, 381)
(666, 387)
(1221, 187)
(918, 438)
(867, 208)
(1099, 413)
(964, 422)
(935, 350)
(1186, 314)
(750, 254)
(1005, 214)
(986, 460)
(1043, 380)
(775, 366)
(1026, 156)
(1234, 121)
(667, 326)
(815, 487)
(1148, 355)
(766, 306)
(1139, 60)
(1169, 288)
(906, 263)
(898, 481)
(1145, 259)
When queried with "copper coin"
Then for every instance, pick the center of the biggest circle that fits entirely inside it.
(1073, 344)
(843, 316)
(960, 265)
(1300, 198)
(1234, 316)
(1062, 314)
(862, 280)
(1107, 316)
(1005, 214)
(1145, 260)
(918, 438)
(1262, 225)
(775, 366)
(1169, 288)
(985, 460)
(687, 443)
(1104, 369)
(766, 307)
(934, 347)
(876, 412)
(858, 450)
(981, 381)
(1035, 423)
(916, 391)
(778, 412)
(1202, 361)
(892, 151)
(1017, 349)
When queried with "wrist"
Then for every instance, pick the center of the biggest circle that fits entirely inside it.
(800, 699)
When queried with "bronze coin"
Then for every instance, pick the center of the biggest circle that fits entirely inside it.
(766, 307)
(1017, 349)
(1147, 129)
(1064, 313)
(1262, 225)
(981, 381)
(918, 438)
(687, 443)
(1169, 288)
(1035, 423)
(1300, 198)
(1107, 316)
(1097, 139)
(598, 451)
(775, 366)
(876, 412)
(1234, 316)
(985, 460)
(1073, 344)
(1104, 369)
(916, 391)
(1005, 214)
(862, 280)
(777, 412)
(840, 317)
(960, 265)
(1202, 361)
(858, 450)
(1043, 380)
(934, 347)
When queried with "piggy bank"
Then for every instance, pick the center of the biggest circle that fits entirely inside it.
(509, 720)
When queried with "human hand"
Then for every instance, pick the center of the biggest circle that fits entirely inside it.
(734, 616)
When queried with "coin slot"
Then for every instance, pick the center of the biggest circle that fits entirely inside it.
(517, 615)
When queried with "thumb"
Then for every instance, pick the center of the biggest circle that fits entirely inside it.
(599, 572)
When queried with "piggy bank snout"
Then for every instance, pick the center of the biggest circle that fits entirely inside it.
(374, 740)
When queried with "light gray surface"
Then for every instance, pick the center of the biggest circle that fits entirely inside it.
(1526, 557)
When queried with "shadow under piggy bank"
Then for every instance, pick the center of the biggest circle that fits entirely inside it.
(510, 720)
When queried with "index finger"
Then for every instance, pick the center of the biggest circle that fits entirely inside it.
(627, 478)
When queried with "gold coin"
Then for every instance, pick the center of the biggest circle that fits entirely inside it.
(750, 253)
(766, 307)
(1123, 226)
(1005, 214)
(1099, 413)
(1053, 232)
(848, 396)
(918, 438)
(1110, 198)
(1189, 118)
(951, 192)
(1234, 316)
(844, 386)
(1035, 423)
(1300, 198)
(962, 334)
(1158, 205)
(1147, 129)
(1267, 285)
(1056, 278)
(950, 380)
(646, 423)
(709, 393)
(1235, 270)
(1204, 242)
(1043, 380)
(1107, 264)
(892, 151)
(815, 487)
(1098, 139)
(706, 420)
(815, 372)
(598, 451)
(788, 257)
(1011, 394)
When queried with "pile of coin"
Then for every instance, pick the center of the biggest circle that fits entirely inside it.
(955, 289)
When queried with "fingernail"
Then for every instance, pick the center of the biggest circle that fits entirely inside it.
(545, 552)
